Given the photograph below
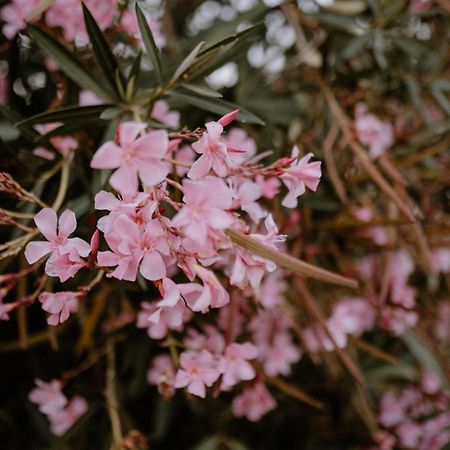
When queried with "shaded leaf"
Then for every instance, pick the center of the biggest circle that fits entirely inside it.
(65, 114)
(149, 43)
(200, 90)
(103, 54)
(188, 61)
(67, 61)
(217, 106)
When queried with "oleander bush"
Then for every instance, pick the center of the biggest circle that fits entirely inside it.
(225, 224)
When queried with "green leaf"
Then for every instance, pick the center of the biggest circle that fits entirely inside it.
(149, 43)
(68, 62)
(111, 113)
(355, 46)
(103, 54)
(135, 68)
(217, 106)
(65, 114)
(423, 354)
(28, 131)
(200, 90)
(188, 61)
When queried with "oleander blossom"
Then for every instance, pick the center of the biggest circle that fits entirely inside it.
(253, 403)
(65, 253)
(134, 157)
(59, 304)
(378, 135)
(301, 174)
(15, 15)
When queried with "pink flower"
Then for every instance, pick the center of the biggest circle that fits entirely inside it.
(272, 288)
(89, 98)
(68, 15)
(61, 421)
(129, 23)
(280, 355)
(213, 293)
(378, 135)
(213, 150)
(64, 144)
(238, 138)
(198, 371)
(162, 114)
(253, 403)
(140, 249)
(300, 175)
(237, 367)
(441, 259)
(59, 304)
(250, 268)
(15, 15)
(48, 396)
(66, 256)
(204, 209)
(162, 375)
(270, 187)
(211, 339)
(133, 157)
(245, 195)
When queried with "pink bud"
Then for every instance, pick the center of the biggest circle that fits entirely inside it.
(228, 118)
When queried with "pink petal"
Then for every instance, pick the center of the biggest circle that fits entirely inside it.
(35, 250)
(155, 144)
(127, 230)
(46, 221)
(228, 118)
(127, 132)
(152, 266)
(214, 130)
(201, 167)
(219, 219)
(105, 200)
(108, 156)
(125, 179)
(197, 387)
(153, 172)
(67, 223)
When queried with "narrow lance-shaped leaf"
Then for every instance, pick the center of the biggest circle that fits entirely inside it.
(200, 90)
(287, 261)
(149, 43)
(65, 114)
(217, 106)
(103, 54)
(188, 61)
(68, 62)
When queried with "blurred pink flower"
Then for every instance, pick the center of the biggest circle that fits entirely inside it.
(378, 135)
(237, 368)
(162, 114)
(253, 403)
(129, 23)
(48, 396)
(15, 15)
(162, 375)
(61, 421)
(198, 371)
(300, 175)
(59, 304)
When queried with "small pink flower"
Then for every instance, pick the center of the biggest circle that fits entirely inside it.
(198, 371)
(66, 253)
(89, 98)
(64, 144)
(245, 196)
(270, 187)
(280, 355)
(61, 421)
(253, 403)
(59, 304)
(214, 151)
(162, 375)
(237, 367)
(48, 396)
(300, 175)
(238, 138)
(129, 23)
(441, 259)
(15, 15)
(134, 156)
(162, 114)
(378, 135)
(204, 209)
(68, 15)
(140, 248)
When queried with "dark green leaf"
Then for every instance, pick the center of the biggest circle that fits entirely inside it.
(103, 54)
(188, 61)
(217, 106)
(65, 114)
(111, 113)
(68, 62)
(135, 68)
(200, 90)
(149, 43)
(28, 132)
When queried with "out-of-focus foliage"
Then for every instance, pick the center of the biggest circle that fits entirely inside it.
(297, 71)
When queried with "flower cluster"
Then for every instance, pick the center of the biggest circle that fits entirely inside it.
(61, 412)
